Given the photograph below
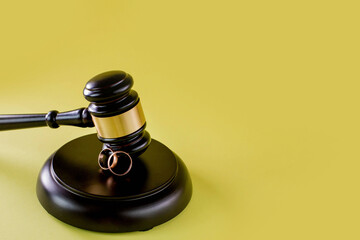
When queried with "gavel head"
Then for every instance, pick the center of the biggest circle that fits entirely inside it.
(117, 113)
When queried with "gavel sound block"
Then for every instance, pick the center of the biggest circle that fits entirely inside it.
(74, 187)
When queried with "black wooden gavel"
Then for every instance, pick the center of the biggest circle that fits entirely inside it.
(141, 183)
(115, 111)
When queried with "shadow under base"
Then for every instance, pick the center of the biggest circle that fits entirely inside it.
(72, 188)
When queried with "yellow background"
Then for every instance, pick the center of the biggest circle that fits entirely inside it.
(259, 98)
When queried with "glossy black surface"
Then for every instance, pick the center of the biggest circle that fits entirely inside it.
(110, 94)
(149, 171)
(134, 148)
(79, 118)
(108, 86)
(72, 188)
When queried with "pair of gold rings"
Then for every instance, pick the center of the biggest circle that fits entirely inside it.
(109, 160)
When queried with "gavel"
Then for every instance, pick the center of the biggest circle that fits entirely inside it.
(150, 188)
(115, 110)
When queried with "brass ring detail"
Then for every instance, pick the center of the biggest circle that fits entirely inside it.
(120, 125)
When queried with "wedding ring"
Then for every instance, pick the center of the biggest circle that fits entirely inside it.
(113, 161)
(103, 157)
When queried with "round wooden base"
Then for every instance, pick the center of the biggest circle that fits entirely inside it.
(72, 188)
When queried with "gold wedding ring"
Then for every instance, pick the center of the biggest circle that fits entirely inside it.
(103, 158)
(115, 161)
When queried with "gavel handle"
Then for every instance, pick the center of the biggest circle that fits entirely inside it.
(79, 117)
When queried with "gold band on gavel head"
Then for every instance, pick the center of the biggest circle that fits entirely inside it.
(120, 125)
